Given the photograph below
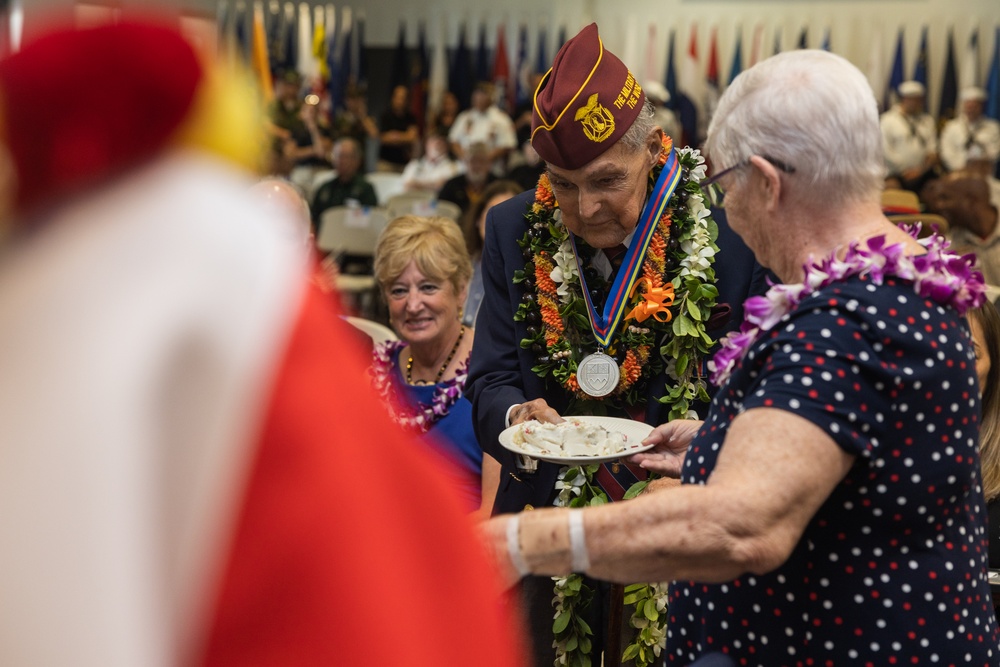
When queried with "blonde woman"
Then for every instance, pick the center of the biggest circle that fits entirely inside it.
(423, 270)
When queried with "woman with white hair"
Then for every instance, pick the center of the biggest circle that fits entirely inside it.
(831, 505)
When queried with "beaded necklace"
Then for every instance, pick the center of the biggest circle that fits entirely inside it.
(444, 366)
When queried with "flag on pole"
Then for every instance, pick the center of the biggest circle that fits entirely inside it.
(757, 46)
(482, 56)
(400, 60)
(347, 54)
(876, 66)
(970, 73)
(777, 41)
(826, 40)
(501, 70)
(523, 67)
(360, 72)
(712, 79)
(920, 67)
(542, 61)
(649, 63)
(308, 66)
(559, 42)
(737, 66)
(460, 78)
(261, 66)
(691, 93)
(993, 80)
(803, 39)
(418, 79)
(437, 82)
(949, 84)
(670, 77)
(895, 74)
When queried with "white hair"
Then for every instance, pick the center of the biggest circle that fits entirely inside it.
(814, 111)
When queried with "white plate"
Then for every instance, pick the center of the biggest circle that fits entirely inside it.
(635, 431)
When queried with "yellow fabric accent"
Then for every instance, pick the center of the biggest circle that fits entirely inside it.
(226, 117)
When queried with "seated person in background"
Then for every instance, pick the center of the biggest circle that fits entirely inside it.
(398, 132)
(474, 229)
(423, 270)
(484, 123)
(440, 122)
(531, 168)
(353, 120)
(972, 135)
(433, 169)
(523, 112)
(909, 138)
(964, 201)
(348, 186)
(303, 136)
(985, 325)
(467, 188)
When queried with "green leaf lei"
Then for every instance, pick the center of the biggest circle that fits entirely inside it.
(559, 335)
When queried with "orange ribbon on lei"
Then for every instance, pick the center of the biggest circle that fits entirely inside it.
(657, 302)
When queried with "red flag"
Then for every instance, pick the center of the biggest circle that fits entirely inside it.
(501, 68)
(713, 62)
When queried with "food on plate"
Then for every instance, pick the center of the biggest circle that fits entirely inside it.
(570, 438)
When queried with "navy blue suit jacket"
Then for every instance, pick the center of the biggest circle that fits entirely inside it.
(500, 373)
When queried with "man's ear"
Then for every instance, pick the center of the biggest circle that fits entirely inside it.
(654, 142)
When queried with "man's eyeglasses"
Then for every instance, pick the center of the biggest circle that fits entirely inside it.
(714, 193)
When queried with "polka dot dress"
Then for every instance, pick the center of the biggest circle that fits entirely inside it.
(892, 569)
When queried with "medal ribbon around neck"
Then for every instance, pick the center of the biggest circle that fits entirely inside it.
(605, 324)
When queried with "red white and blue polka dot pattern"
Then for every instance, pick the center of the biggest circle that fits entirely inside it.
(892, 569)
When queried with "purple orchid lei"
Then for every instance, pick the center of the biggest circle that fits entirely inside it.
(419, 418)
(939, 275)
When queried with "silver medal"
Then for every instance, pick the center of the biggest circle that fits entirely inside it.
(597, 374)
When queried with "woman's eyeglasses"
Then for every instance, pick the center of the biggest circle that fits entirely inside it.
(714, 193)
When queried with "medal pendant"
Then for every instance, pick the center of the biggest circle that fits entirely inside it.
(597, 374)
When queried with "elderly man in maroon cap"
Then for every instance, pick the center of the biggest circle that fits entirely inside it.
(603, 297)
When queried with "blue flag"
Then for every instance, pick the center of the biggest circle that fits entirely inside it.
(523, 68)
(400, 60)
(482, 56)
(949, 84)
(542, 61)
(737, 66)
(895, 74)
(920, 67)
(993, 80)
(361, 65)
(333, 64)
(670, 80)
(460, 75)
(561, 40)
(826, 40)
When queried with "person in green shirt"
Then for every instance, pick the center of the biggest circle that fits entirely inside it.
(349, 184)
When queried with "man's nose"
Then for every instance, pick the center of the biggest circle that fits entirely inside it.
(590, 203)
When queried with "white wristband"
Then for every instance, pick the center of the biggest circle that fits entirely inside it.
(577, 542)
(514, 545)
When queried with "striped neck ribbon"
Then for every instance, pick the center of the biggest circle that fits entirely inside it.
(605, 324)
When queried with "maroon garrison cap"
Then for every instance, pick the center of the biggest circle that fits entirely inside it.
(584, 104)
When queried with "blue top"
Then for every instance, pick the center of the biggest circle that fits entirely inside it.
(894, 562)
(452, 435)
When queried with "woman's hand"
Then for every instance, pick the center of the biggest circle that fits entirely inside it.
(671, 440)
(536, 409)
